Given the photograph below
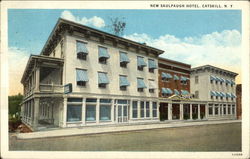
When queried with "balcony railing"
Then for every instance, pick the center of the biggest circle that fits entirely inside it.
(51, 88)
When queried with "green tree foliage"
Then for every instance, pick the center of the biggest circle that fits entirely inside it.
(14, 102)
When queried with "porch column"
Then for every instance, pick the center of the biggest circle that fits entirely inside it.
(206, 110)
(37, 79)
(83, 110)
(181, 111)
(98, 111)
(113, 109)
(213, 109)
(222, 109)
(199, 113)
(36, 112)
(169, 111)
(191, 111)
(64, 112)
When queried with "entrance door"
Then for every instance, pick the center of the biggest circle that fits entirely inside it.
(122, 113)
(163, 111)
(175, 111)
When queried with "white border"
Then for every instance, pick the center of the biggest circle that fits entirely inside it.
(242, 5)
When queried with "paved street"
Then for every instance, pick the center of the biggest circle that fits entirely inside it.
(220, 137)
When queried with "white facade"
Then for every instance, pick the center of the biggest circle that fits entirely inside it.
(211, 84)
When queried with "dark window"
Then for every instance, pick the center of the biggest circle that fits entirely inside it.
(151, 90)
(211, 81)
(151, 70)
(74, 113)
(147, 109)
(134, 109)
(103, 60)
(184, 82)
(210, 110)
(123, 64)
(81, 56)
(81, 83)
(102, 85)
(142, 109)
(123, 88)
(140, 68)
(92, 100)
(74, 99)
(140, 89)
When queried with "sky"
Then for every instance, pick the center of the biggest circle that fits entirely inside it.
(195, 37)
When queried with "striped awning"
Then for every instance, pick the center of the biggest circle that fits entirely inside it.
(124, 57)
(212, 93)
(176, 92)
(81, 48)
(140, 83)
(166, 91)
(81, 75)
(184, 78)
(176, 77)
(152, 64)
(166, 75)
(233, 95)
(124, 81)
(228, 81)
(232, 82)
(223, 94)
(103, 78)
(222, 79)
(228, 95)
(218, 94)
(184, 92)
(217, 78)
(141, 62)
(103, 52)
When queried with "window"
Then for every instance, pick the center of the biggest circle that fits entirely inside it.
(105, 112)
(140, 63)
(216, 109)
(140, 84)
(229, 109)
(152, 86)
(142, 109)
(90, 112)
(103, 55)
(147, 110)
(166, 92)
(81, 77)
(196, 94)
(224, 109)
(123, 82)
(81, 50)
(124, 60)
(210, 109)
(166, 76)
(154, 109)
(151, 65)
(74, 113)
(184, 80)
(135, 115)
(102, 79)
(233, 109)
(196, 79)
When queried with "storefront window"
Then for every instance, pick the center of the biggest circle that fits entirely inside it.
(210, 109)
(154, 109)
(147, 109)
(135, 109)
(105, 112)
(142, 109)
(90, 112)
(74, 113)
(229, 109)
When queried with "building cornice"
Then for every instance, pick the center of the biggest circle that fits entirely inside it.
(211, 68)
(64, 26)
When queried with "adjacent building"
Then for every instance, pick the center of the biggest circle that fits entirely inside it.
(176, 101)
(238, 101)
(217, 87)
(84, 77)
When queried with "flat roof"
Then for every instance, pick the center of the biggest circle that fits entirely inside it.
(214, 67)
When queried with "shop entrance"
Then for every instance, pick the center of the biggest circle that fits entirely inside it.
(163, 111)
(175, 111)
(122, 113)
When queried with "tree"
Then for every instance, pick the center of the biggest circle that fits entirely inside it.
(117, 25)
(14, 102)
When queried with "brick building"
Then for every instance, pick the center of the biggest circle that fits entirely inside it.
(176, 102)
(238, 101)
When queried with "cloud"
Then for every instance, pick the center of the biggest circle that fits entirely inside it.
(93, 21)
(17, 60)
(221, 49)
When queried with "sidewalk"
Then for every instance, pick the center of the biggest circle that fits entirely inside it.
(115, 128)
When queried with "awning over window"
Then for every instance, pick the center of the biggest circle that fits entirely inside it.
(152, 85)
(152, 64)
(233, 96)
(217, 79)
(124, 57)
(184, 78)
(166, 91)
(184, 92)
(212, 78)
(223, 94)
(103, 52)
(176, 77)
(228, 95)
(140, 83)
(166, 75)
(223, 80)
(81, 75)
(212, 93)
(218, 94)
(124, 81)
(176, 92)
(141, 62)
(232, 82)
(228, 81)
(102, 78)
(81, 48)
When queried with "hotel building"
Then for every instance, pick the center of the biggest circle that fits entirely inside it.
(85, 77)
(217, 87)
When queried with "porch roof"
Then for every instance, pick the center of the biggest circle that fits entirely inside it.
(36, 60)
